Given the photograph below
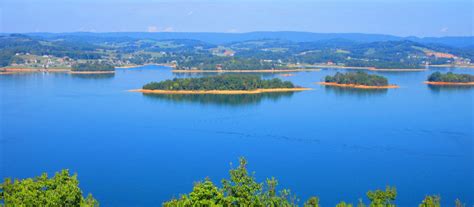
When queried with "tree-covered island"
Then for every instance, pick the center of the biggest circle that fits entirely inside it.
(92, 67)
(450, 78)
(357, 80)
(220, 84)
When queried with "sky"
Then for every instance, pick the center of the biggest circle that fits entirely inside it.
(395, 17)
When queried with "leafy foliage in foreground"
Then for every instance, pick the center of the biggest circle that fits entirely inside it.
(240, 190)
(220, 82)
(243, 190)
(60, 190)
(450, 77)
(358, 78)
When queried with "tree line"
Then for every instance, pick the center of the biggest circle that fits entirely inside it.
(220, 82)
(241, 189)
(92, 66)
(450, 77)
(357, 78)
(60, 190)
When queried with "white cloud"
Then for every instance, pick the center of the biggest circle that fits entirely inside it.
(190, 13)
(233, 30)
(444, 29)
(168, 29)
(86, 29)
(152, 28)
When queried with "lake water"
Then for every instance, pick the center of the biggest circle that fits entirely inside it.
(131, 149)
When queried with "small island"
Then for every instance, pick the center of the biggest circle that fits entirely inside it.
(450, 78)
(220, 84)
(357, 80)
(92, 67)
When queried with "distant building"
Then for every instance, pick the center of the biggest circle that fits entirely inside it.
(440, 55)
(229, 53)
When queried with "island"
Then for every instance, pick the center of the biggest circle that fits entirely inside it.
(220, 84)
(92, 67)
(361, 80)
(450, 78)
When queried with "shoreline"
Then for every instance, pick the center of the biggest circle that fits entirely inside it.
(449, 83)
(137, 66)
(369, 68)
(92, 72)
(452, 66)
(244, 71)
(399, 69)
(357, 86)
(33, 70)
(225, 92)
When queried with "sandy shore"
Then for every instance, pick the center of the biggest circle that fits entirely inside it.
(137, 66)
(245, 71)
(449, 83)
(358, 86)
(452, 66)
(32, 70)
(369, 68)
(92, 72)
(128, 66)
(398, 69)
(287, 74)
(273, 90)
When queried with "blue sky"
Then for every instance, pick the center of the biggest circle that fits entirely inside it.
(401, 17)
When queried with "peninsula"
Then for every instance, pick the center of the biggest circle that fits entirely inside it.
(220, 84)
(360, 80)
(450, 78)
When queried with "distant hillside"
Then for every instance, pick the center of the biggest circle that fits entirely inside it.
(223, 38)
(257, 50)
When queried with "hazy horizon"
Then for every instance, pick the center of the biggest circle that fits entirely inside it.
(421, 18)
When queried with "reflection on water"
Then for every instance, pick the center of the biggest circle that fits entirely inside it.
(355, 91)
(218, 99)
(94, 76)
(447, 88)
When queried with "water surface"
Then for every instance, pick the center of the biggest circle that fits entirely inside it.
(131, 149)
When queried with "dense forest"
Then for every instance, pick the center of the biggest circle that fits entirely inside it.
(16, 43)
(450, 77)
(357, 78)
(220, 82)
(241, 189)
(60, 190)
(233, 55)
(92, 66)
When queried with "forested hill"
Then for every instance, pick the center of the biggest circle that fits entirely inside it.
(224, 38)
(45, 50)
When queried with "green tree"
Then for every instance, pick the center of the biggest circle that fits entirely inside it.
(60, 190)
(344, 204)
(312, 202)
(458, 203)
(360, 204)
(240, 190)
(379, 198)
(431, 201)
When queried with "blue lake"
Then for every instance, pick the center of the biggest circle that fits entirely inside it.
(131, 149)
